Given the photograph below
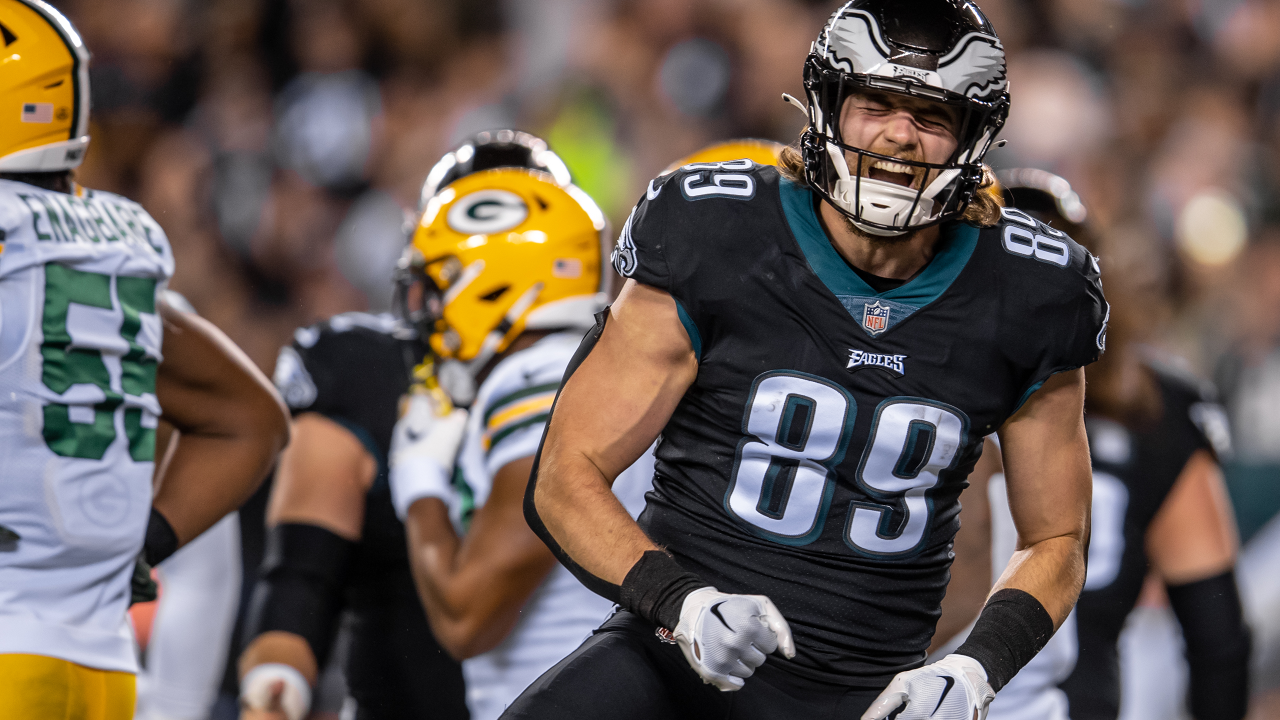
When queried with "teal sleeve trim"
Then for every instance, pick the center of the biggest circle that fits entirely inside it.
(694, 336)
(366, 439)
(1040, 383)
(1026, 395)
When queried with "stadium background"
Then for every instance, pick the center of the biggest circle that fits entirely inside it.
(281, 142)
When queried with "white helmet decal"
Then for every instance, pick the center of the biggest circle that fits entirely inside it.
(975, 67)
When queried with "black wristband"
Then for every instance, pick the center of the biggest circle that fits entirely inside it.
(161, 540)
(655, 588)
(1012, 628)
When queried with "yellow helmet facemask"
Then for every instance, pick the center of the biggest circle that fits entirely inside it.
(494, 254)
(44, 89)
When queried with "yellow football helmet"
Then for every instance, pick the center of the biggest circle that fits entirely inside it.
(762, 152)
(44, 89)
(496, 253)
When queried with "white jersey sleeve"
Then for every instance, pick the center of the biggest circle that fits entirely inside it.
(80, 344)
(508, 416)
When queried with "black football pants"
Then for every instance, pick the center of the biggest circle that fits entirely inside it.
(624, 672)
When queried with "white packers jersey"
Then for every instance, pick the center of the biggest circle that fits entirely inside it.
(506, 424)
(79, 346)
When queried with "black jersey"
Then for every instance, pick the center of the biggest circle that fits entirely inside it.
(1133, 472)
(353, 369)
(819, 455)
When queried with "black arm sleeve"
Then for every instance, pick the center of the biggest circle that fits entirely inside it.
(599, 586)
(1218, 645)
(299, 587)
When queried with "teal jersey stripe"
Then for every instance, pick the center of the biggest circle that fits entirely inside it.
(953, 253)
(517, 396)
(695, 337)
(1027, 395)
(506, 431)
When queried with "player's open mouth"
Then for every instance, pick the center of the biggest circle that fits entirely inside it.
(896, 173)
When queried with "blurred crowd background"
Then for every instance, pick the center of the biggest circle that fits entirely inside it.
(282, 143)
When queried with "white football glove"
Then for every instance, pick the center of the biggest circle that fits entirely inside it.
(954, 688)
(423, 447)
(726, 637)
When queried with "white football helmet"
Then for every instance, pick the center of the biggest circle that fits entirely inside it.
(943, 51)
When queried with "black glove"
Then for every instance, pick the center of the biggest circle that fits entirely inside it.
(142, 587)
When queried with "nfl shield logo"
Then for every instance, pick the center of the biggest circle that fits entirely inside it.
(875, 317)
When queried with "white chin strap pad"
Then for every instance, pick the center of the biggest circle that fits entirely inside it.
(883, 202)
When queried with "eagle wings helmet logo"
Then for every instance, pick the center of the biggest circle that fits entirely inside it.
(974, 68)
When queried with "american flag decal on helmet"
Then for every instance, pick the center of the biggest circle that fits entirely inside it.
(37, 112)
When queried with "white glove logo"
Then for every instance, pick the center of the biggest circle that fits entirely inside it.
(726, 637)
(954, 688)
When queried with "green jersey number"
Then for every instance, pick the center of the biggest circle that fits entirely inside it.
(68, 429)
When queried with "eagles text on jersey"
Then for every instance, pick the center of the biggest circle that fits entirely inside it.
(819, 455)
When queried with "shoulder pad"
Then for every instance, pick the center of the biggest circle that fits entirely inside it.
(649, 247)
(538, 366)
(1026, 237)
(1193, 397)
(518, 394)
(734, 180)
(312, 371)
(1177, 373)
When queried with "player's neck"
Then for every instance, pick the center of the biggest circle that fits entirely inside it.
(59, 181)
(525, 340)
(900, 258)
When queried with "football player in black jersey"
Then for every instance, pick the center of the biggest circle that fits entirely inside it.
(1159, 506)
(334, 541)
(822, 349)
(1160, 503)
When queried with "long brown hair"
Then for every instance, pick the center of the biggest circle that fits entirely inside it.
(983, 210)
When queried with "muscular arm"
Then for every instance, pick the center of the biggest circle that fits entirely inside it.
(1046, 460)
(590, 442)
(1193, 536)
(473, 588)
(321, 480)
(231, 421)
